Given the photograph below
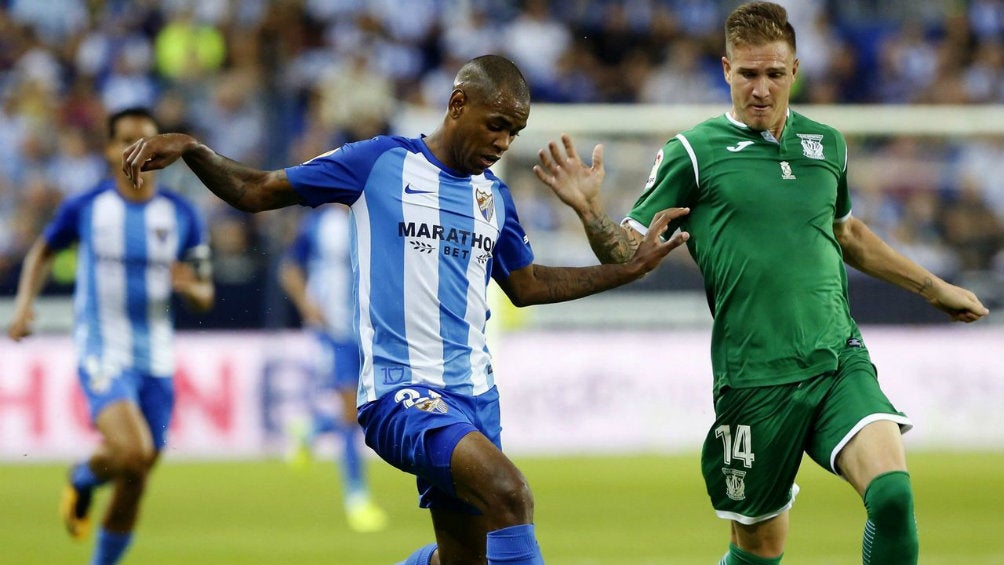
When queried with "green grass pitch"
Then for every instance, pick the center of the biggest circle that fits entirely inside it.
(636, 510)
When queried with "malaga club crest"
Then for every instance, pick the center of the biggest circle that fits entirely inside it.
(486, 203)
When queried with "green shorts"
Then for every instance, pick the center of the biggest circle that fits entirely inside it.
(753, 451)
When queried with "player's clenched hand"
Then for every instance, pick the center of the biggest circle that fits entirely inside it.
(575, 183)
(182, 277)
(652, 249)
(152, 153)
(959, 303)
(20, 326)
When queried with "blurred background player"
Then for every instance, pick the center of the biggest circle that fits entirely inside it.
(135, 247)
(316, 273)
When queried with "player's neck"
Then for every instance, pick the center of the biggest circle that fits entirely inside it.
(434, 142)
(133, 194)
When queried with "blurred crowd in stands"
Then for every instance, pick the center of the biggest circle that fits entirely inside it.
(275, 82)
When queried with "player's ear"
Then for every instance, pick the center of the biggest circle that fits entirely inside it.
(727, 69)
(458, 99)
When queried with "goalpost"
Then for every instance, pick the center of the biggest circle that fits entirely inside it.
(633, 133)
(647, 119)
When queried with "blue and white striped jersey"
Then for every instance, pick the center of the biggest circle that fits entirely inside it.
(122, 299)
(321, 250)
(426, 242)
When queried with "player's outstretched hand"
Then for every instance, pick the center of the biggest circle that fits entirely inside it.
(152, 153)
(959, 303)
(652, 249)
(574, 182)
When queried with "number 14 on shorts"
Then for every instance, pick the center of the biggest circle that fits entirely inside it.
(738, 446)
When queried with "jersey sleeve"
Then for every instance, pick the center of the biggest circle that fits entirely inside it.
(338, 175)
(64, 229)
(193, 247)
(512, 251)
(197, 234)
(672, 183)
(298, 252)
(843, 204)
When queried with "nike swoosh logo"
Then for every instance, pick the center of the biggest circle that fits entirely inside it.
(409, 190)
(740, 146)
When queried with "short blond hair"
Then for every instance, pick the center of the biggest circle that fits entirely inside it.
(758, 23)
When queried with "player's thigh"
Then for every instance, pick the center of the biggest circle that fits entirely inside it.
(124, 430)
(486, 478)
(416, 428)
(875, 450)
(156, 402)
(345, 376)
(345, 363)
(853, 404)
(113, 401)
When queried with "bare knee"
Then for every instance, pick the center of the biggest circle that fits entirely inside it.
(133, 463)
(511, 499)
(487, 479)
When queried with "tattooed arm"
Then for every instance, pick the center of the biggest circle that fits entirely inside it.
(610, 242)
(578, 186)
(867, 253)
(236, 184)
(538, 284)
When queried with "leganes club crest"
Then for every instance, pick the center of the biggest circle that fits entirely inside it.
(735, 483)
(812, 145)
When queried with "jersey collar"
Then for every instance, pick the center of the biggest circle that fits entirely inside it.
(766, 134)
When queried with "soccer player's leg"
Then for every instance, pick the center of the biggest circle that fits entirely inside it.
(759, 539)
(101, 391)
(75, 503)
(486, 479)
(480, 501)
(859, 437)
(135, 432)
(361, 512)
(875, 464)
(130, 456)
(750, 458)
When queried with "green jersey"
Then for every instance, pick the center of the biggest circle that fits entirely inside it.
(761, 231)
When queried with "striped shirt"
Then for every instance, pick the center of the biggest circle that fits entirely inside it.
(321, 250)
(122, 299)
(427, 240)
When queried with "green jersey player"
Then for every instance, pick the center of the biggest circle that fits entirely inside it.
(770, 228)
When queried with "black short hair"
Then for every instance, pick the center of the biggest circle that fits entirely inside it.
(131, 112)
(488, 75)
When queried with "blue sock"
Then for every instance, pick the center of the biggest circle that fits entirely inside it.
(110, 547)
(83, 477)
(515, 545)
(422, 556)
(352, 469)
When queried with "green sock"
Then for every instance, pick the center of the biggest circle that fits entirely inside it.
(736, 556)
(891, 530)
